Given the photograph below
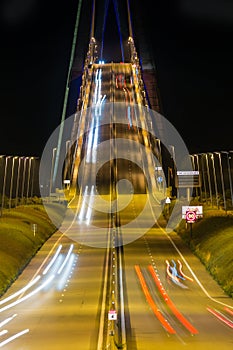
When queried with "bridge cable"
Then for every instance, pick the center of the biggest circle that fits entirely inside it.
(103, 28)
(66, 93)
(119, 28)
(129, 20)
(93, 20)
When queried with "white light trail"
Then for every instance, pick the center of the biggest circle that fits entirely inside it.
(83, 204)
(89, 143)
(30, 284)
(53, 260)
(27, 296)
(66, 273)
(93, 130)
(99, 105)
(96, 87)
(89, 210)
(3, 332)
(8, 319)
(95, 142)
(66, 259)
(13, 337)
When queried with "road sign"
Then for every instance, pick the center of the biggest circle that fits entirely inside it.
(197, 208)
(112, 315)
(191, 216)
(159, 179)
(188, 178)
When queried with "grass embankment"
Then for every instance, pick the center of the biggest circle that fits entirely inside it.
(212, 243)
(18, 244)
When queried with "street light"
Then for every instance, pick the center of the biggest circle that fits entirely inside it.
(28, 178)
(208, 174)
(23, 180)
(215, 180)
(159, 151)
(229, 175)
(198, 168)
(222, 180)
(230, 165)
(173, 155)
(17, 182)
(1, 156)
(33, 175)
(12, 178)
(52, 169)
(194, 167)
(203, 176)
(4, 184)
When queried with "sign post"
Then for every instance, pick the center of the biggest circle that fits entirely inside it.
(191, 217)
(112, 315)
(34, 229)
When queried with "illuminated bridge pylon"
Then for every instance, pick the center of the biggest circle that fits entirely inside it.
(103, 84)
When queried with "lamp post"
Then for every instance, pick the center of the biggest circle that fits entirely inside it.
(193, 166)
(28, 177)
(4, 184)
(67, 160)
(160, 151)
(1, 156)
(229, 175)
(17, 182)
(173, 155)
(230, 158)
(198, 168)
(12, 179)
(52, 169)
(203, 175)
(222, 180)
(23, 180)
(208, 174)
(215, 180)
(33, 175)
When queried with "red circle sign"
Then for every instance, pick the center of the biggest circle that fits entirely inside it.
(191, 216)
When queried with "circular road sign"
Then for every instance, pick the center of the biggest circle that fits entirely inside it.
(191, 216)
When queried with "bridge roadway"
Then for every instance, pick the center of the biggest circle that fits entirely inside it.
(110, 254)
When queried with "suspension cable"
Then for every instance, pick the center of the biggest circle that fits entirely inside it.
(66, 93)
(129, 20)
(103, 28)
(93, 20)
(119, 28)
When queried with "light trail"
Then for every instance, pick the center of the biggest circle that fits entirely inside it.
(22, 290)
(221, 317)
(173, 276)
(5, 331)
(66, 273)
(81, 213)
(89, 142)
(188, 266)
(27, 296)
(53, 260)
(154, 307)
(168, 301)
(66, 259)
(181, 272)
(228, 310)
(13, 337)
(90, 203)
(8, 319)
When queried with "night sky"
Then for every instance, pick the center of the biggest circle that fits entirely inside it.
(190, 41)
